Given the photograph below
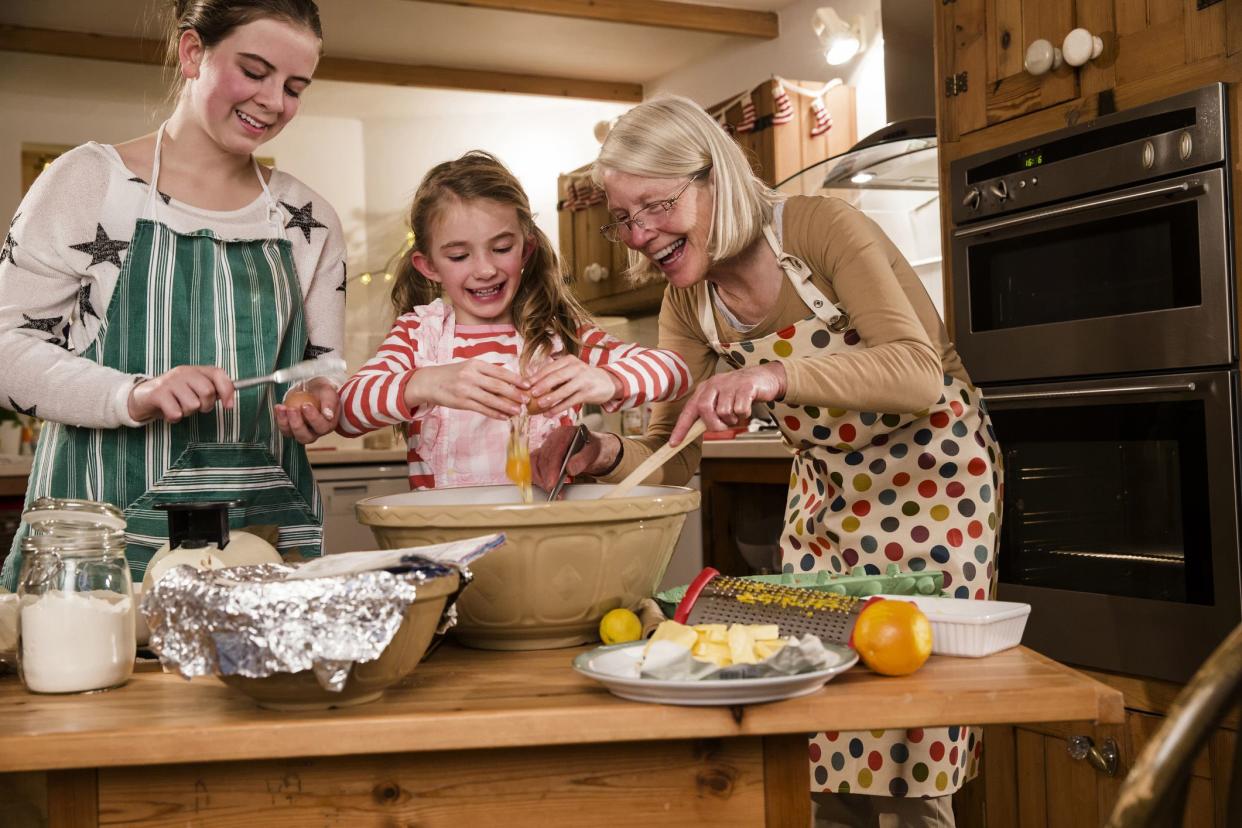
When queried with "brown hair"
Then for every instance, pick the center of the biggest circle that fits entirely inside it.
(543, 307)
(214, 19)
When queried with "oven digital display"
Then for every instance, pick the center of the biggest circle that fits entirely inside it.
(1032, 158)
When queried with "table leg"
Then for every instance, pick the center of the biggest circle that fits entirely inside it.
(786, 781)
(73, 798)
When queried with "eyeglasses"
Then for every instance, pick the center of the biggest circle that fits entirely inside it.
(618, 230)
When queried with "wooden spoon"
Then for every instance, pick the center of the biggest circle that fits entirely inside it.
(658, 458)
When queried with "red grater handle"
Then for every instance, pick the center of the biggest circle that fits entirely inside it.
(682, 615)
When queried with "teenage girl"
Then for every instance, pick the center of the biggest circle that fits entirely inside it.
(138, 280)
(510, 336)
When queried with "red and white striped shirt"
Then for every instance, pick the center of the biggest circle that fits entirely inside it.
(450, 447)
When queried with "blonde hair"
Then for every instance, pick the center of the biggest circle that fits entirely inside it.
(673, 137)
(544, 309)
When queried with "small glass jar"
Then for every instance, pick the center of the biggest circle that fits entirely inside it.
(76, 599)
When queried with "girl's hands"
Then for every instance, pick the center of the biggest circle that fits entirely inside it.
(567, 381)
(472, 385)
(724, 400)
(598, 453)
(185, 390)
(305, 422)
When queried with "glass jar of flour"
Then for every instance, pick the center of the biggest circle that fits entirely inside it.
(76, 599)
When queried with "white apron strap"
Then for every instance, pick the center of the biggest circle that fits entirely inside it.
(148, 211)
(799, 275)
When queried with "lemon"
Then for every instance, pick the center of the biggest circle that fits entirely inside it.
(619, 626)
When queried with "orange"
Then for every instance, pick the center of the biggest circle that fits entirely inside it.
(892, 637)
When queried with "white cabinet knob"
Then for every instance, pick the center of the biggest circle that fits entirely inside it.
(1041, 56)
(1081, 46)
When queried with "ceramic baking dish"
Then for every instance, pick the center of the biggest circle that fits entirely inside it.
(971, 628)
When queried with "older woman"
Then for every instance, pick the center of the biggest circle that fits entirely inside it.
(822, 320)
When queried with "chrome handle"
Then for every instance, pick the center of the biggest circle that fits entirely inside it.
(1109, 391)
(1104, 758)
(1185, 188)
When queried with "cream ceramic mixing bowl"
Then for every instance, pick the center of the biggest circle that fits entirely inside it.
(563, 564)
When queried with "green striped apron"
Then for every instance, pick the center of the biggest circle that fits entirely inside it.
(193, 299)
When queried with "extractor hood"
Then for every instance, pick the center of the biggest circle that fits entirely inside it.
(902, 154)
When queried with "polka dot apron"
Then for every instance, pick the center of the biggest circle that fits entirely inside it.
(868, 489)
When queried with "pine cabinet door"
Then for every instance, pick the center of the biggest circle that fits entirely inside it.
(982, 45)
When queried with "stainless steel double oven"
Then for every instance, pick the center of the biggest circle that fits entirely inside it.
(1094, 300)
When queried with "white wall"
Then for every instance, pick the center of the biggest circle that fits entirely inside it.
(796, 54)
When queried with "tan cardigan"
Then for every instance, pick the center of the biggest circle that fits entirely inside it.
(855, 266)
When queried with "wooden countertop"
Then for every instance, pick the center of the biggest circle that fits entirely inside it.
(768, 447)
(461, 699)
(336, 456)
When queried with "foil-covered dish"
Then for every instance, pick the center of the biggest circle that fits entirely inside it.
(324, 615)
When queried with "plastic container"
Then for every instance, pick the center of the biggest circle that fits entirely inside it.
(973, 629)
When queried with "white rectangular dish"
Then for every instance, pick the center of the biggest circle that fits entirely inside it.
(962, 627)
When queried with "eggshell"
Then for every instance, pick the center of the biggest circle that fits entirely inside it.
(296, 399)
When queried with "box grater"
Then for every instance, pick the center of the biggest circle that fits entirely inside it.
(713, 598)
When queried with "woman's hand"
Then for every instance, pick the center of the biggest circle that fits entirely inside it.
(472, 385)
(567, 381)
(598, 453)
(305, 422)
(185, 390)
(724, 400)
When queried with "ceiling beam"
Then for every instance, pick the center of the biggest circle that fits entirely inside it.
(695, 17)
(135, 50)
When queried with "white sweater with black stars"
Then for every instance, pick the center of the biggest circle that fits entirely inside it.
(62, 255)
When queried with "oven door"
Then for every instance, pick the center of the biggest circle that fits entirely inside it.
(1120, 518)
(1134, 280)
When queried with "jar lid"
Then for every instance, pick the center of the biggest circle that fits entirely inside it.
(76, 512)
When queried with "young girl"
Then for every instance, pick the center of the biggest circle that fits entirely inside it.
(511, 335)
(139, 280)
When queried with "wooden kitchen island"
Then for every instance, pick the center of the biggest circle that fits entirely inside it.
(481, 738)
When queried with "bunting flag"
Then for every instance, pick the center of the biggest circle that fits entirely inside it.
(784, 111)
(582, 193)
(823, 121)
(748, 115)
(593, 194)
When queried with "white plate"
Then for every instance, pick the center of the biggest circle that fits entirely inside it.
(616, 667)
(962, 627)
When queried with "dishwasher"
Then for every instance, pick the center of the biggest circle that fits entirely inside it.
(341, 486)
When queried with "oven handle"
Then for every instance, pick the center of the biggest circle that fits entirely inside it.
(1184, 188)
(1016, 396)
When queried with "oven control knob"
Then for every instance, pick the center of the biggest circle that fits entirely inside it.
(1149, 155)
(971, 200)
(999, 189)
(1041, 56)
(1081, 46)
(1185, 145)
